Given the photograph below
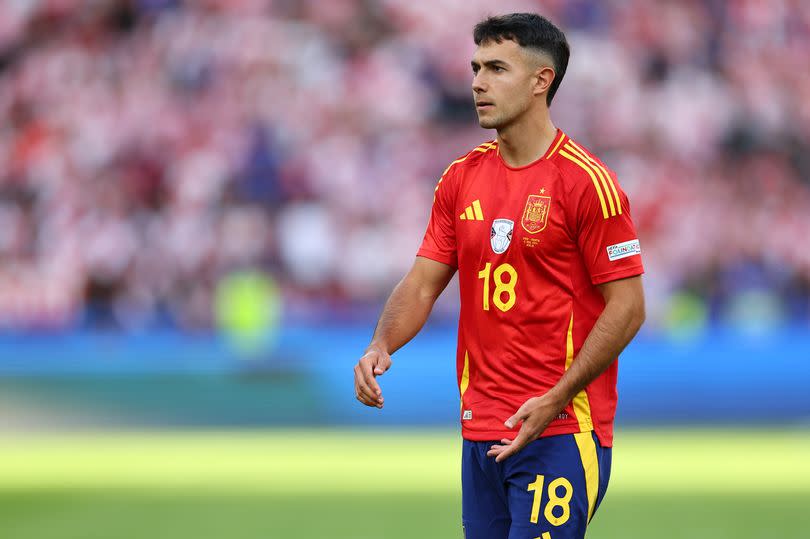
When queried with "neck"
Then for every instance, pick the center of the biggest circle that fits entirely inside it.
(526, 140)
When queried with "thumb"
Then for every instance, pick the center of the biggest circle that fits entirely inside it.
(383, 364)
(520, 415)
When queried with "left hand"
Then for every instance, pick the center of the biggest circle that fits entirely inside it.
(536, 413)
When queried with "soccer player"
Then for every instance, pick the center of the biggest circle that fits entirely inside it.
(549, 268)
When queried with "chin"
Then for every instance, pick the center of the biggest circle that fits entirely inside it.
(488, 123)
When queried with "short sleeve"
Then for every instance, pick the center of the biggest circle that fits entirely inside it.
(439, 243)
(606, 235)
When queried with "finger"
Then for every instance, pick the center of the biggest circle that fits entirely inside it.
(382, 365)
(496, 449)
(379, 363)
(368, 375)
(359, 396)
(368, 403)
(520, 442)
(365, 400)
(519, 416)
(504, 453)
(362, 387)
(369, 399)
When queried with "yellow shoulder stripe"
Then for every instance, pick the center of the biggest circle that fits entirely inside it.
(606, 178)
(484, 148)
(554, 149)
(599, 173)
(593, 179)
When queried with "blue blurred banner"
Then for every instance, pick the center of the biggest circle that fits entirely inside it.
(718, 377)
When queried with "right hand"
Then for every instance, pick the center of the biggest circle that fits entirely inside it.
(373, 363)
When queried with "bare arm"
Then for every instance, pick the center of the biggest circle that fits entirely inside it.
(613, 330)
(403, 316)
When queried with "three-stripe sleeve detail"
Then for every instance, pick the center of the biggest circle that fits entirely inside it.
(587, 169)
(607, 180)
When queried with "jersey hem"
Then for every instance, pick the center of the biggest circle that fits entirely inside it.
(617, 274)
(497, 435)
(438, 257)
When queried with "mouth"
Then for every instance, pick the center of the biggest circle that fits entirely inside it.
(483, 105)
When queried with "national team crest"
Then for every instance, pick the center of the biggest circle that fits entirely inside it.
(535, 215)
(500, 236)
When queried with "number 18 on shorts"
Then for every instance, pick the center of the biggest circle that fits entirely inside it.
(549, 490)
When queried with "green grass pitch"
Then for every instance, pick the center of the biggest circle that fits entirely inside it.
(666, 484)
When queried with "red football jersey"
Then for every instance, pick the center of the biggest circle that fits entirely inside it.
(530, 243)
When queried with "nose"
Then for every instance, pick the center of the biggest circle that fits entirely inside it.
(478, 84)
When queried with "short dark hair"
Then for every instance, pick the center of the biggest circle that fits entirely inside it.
(532, 31)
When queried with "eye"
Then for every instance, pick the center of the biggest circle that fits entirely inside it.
(498, 69)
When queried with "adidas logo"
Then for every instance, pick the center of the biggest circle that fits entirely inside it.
(473, 212)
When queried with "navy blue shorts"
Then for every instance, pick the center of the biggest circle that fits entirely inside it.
(549, 490)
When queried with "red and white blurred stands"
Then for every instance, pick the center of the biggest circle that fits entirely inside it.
(150, 146)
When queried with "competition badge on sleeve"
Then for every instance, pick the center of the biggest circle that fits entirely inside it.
(501, 235)
(535, 215)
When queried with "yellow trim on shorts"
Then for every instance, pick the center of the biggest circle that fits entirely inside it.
(590, 465)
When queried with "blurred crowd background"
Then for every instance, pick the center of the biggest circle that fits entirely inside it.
(204, 204)
(149, 149)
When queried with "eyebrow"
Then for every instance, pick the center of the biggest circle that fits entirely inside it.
(489, 63)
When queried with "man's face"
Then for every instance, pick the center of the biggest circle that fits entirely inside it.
(503, 85)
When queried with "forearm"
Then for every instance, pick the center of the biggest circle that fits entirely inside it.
(612, 332)
(403, 316)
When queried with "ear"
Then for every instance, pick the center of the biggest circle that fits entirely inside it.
(544, 76)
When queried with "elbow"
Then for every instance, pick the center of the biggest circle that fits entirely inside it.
(420, 290)
(642, 317)
(638, 317)
(632, 314)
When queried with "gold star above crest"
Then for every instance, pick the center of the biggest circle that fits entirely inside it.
(543, 190)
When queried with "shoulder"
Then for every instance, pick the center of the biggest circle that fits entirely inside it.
(578, 164)
(473, 158)
(470, 160)
(586, 176)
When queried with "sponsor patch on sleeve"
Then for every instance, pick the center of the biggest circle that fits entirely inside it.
(623, 250)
